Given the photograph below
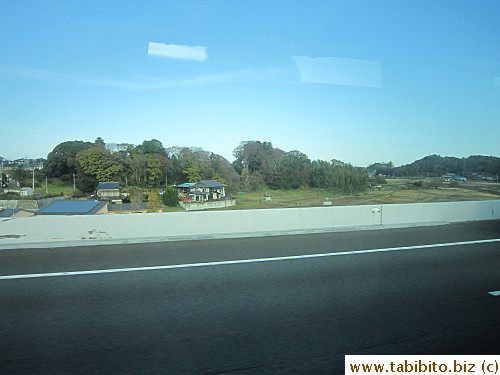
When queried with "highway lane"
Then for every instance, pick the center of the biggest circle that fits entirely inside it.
(291, 317)
(24, 261)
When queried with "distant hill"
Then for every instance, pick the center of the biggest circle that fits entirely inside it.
(435, 166)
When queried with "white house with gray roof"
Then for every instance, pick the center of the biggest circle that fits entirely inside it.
(109, 191)
(202, 191)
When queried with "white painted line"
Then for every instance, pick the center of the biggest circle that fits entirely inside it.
(243, 261)
(495, 293)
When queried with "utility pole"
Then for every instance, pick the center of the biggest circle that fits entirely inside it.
(46, 185)
(33, 187)
(74, 183)
(1, 173)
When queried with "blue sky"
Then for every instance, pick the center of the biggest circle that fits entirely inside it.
(359, 81)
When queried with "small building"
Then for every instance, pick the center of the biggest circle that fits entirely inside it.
(26, 192)
(15, 212)
(74, 208)
(109, 191)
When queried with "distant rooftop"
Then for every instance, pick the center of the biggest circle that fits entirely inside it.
(209, 183)
(108, 185)
(72, 208)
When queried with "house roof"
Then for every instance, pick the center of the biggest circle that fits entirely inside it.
(187, 184)
(72, 208)
(108, 185)
(209, 183)
(9, 212)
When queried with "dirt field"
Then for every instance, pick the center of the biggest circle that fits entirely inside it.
(395, 191)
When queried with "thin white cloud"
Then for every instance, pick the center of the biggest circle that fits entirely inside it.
(176, 51)
(22, 72)
(339, 71)
(143, 83)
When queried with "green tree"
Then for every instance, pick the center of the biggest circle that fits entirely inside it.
(385, 169)
(252, 155)
(99, 142)
(154, 203)
(295, 169)
(156, 168)
(61, 161)
(151, 147)
(98, 162)
(349, 179)
(224, 172)
(21, 175)
(137, 165)
(251, 182)
(193, 172)
(135, 196)
(170, 197)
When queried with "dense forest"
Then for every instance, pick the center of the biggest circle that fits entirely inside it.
(257, 165)
(437, 166)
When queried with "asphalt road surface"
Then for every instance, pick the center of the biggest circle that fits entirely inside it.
(287, 313)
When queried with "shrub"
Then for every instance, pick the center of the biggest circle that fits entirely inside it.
(434, 184)
(154, 203)
(170, 197)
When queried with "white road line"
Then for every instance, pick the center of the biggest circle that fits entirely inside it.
(242, 261)
(495, 293)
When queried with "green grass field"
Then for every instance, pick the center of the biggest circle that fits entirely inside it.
(395, 191)
(56, 186)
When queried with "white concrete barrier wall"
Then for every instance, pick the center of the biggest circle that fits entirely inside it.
(185, 225)
(394, 214)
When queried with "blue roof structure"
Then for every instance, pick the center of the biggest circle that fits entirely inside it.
(72, 208)
(209, 183)
(187, 184)
(108, 185)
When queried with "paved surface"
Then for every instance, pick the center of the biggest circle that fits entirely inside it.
(283, 317)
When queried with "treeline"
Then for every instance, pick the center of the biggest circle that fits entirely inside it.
(150, 164)
(437, 166)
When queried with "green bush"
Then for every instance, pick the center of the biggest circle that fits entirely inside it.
(79, 194)
(434, 184)
(9, 196)
(170, 197)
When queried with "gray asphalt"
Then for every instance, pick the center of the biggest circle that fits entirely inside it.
(287, 317)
